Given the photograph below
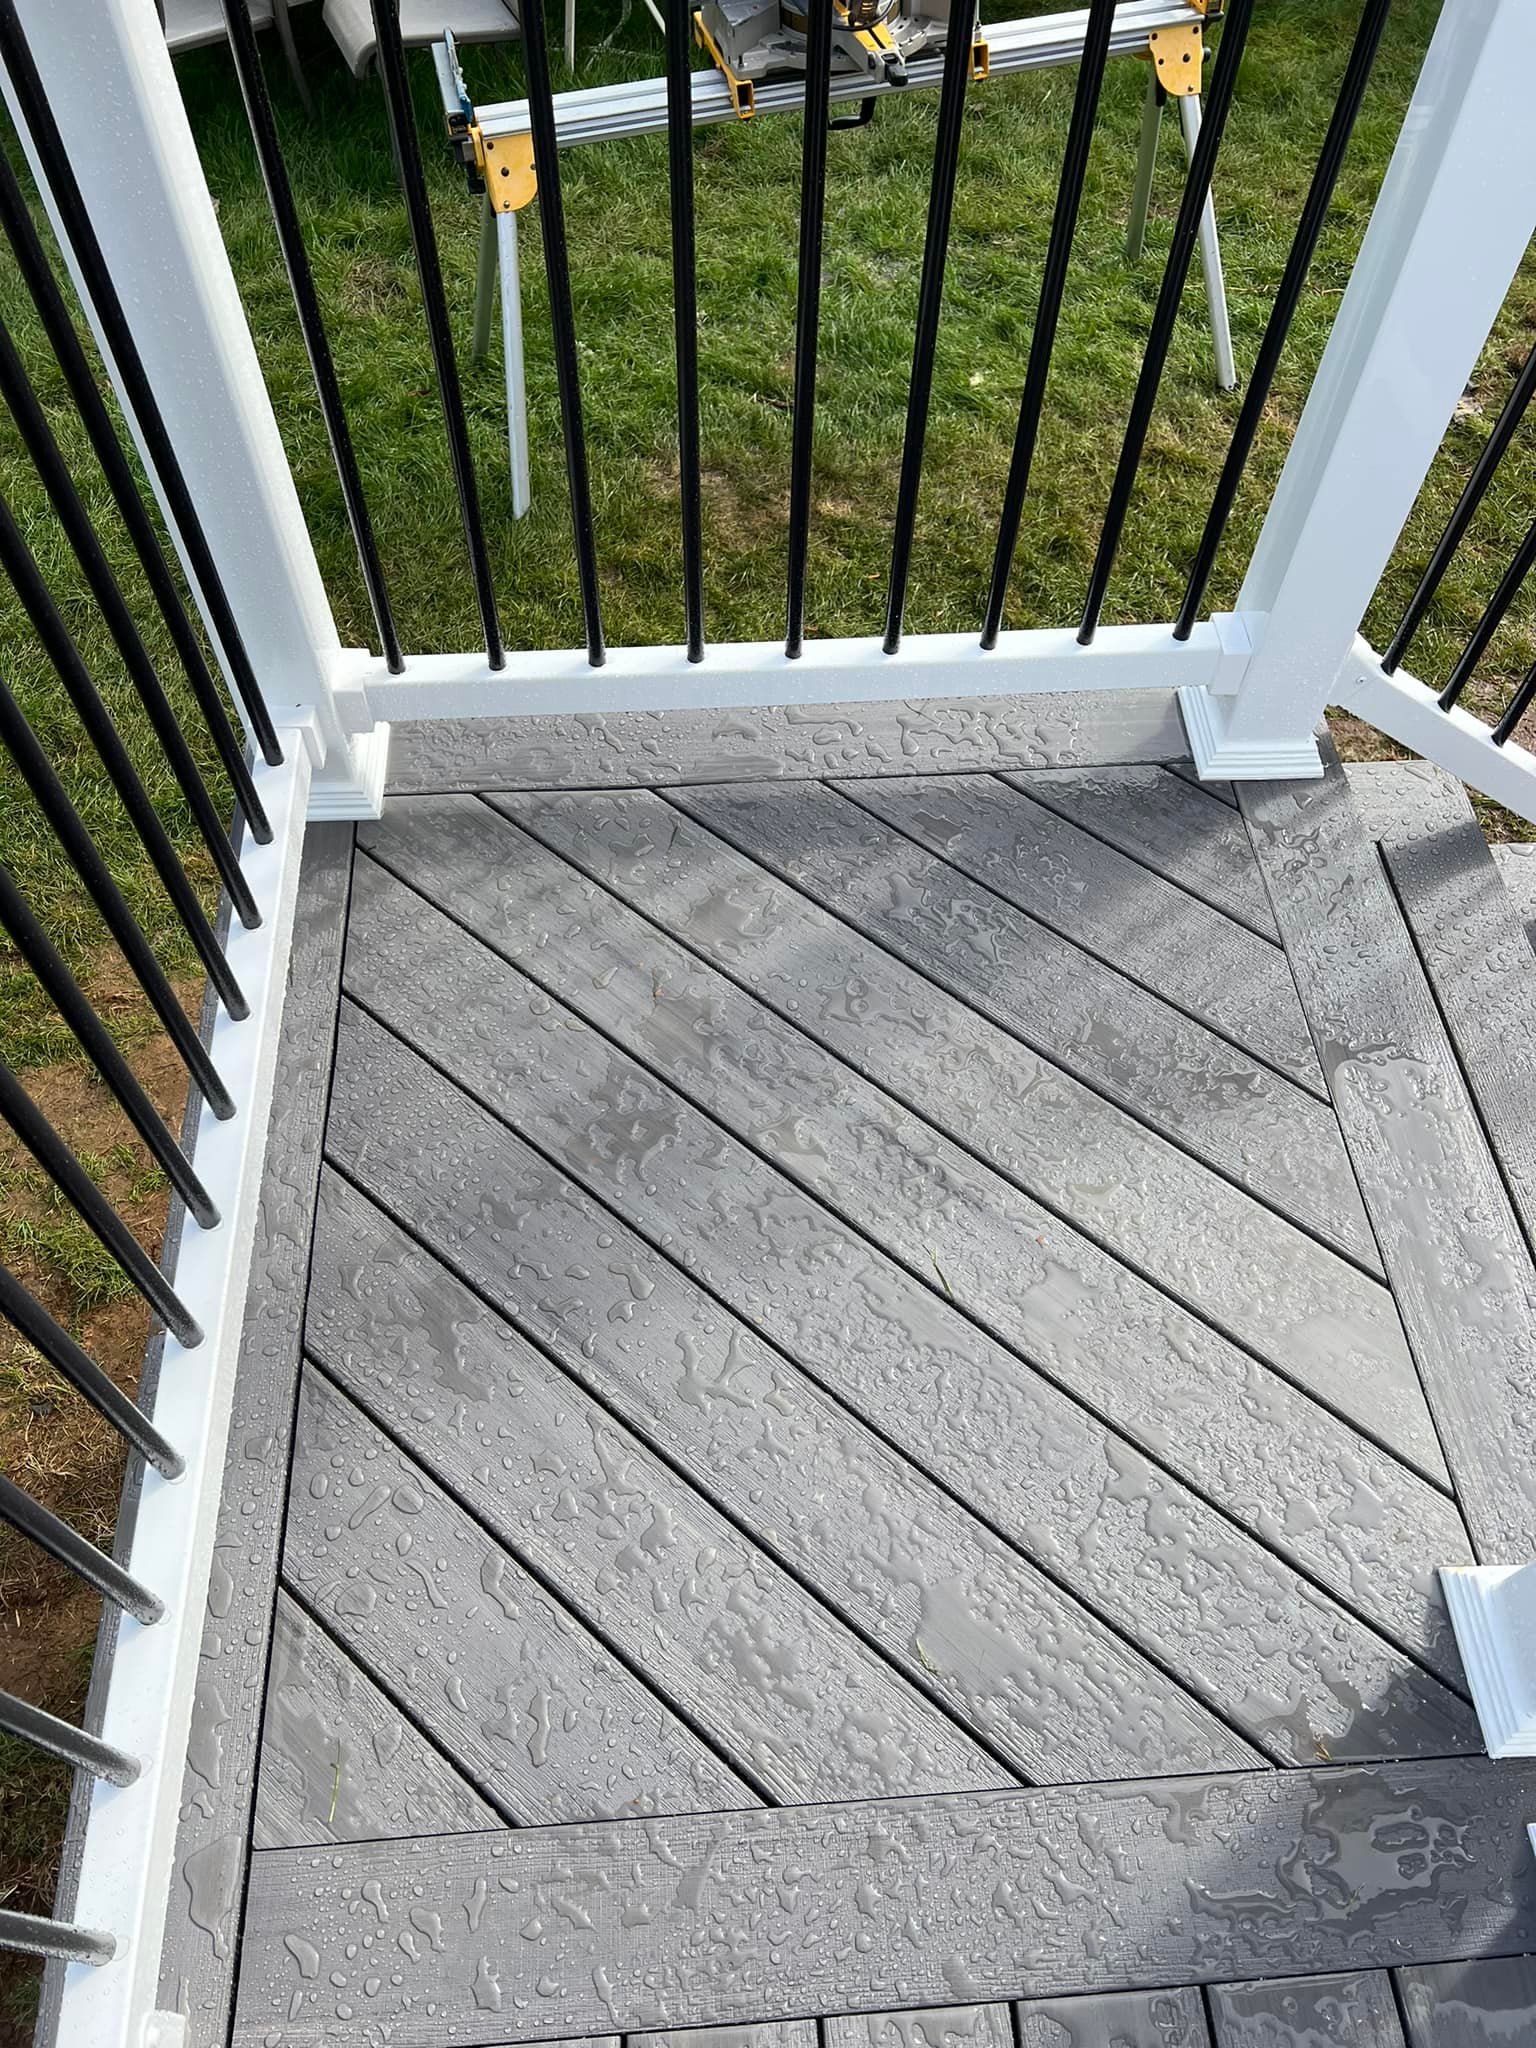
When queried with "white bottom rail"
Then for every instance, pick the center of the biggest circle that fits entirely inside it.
(128, 1852)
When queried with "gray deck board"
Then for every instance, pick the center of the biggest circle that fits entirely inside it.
(1459, 1265)
(889, 1025)
(1116, 2019)
(816, 1486)
(1472, 949)
(1183, 831)
(1478, 2004)
(1098, 900)
(1347, 2010)
(339, 1763)
(951, 2026)
(1121, 1044)
(1516, 864)
(742, 1918)
(650, 748)
(895, 1349)
(778, 2034)
(1134, 1194)
(544, 1721)
(796, 1701)
(201, 1929)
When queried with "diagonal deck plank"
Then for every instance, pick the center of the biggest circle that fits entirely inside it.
(1059, 1694)
(1516, 865)
(928, 1584)
(794, 1700)
(202, 1920)
(1347, 2010)
(1094, 898)
(543, 1720)
(1459, 1264)
(1116, 2019)
(1138, 1062)
(650, 748)
(1213, 1248)
(1183, 832)
(1207, 1390)
(634, 1325)
(741, 1918)
(859, 1323)
(339, 1763)
(1478, 2004)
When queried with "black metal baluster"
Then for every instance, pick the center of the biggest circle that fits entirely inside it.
(413, 187)
(69, 1744)
(290, 237)
(37, 274)
(1516, 709)
(1053, 280)
(37, 115)
(68, 1547)
(29, 1934)
(1492, 618)
(1181, 249)
(813, 206)
(930, 299)
(685, 313)
(37, 600)
(1310, 227)
(35, 947)
(76, 1185)
(19, 740)
(86, 1376)
(562, 318)
(1483, 473)
(19, 396)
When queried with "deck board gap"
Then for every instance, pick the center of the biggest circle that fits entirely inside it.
(1201, 1313)
(719, 1502)
(551, 1590)
(1091, 949)
(1045, 786)
(294, 1593)
(1164, 1132)
(639, 1231)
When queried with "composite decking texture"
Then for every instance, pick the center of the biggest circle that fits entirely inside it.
(866, 1437)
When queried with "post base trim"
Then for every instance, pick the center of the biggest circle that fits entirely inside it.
(1500, 1662)
(355, 788)
(1221, 759)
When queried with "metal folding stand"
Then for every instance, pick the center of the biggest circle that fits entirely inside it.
(1210, 246)
(1167, 32)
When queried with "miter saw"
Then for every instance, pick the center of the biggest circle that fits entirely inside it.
(755, 40)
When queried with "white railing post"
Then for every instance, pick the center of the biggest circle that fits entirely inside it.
(1454, 218)
(114, 96)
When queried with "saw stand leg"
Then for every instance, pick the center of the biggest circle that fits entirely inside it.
(1210, 247)
(498, 249)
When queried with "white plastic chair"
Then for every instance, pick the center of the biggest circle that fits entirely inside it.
(196, 24)
(421, 22)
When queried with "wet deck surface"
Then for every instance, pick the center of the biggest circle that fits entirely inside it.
(856, 1441)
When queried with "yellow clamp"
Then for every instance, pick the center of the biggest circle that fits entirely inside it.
(1178, 53)
(743, 95)
(507, 161)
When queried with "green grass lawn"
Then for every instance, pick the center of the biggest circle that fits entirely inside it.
(747, 183)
